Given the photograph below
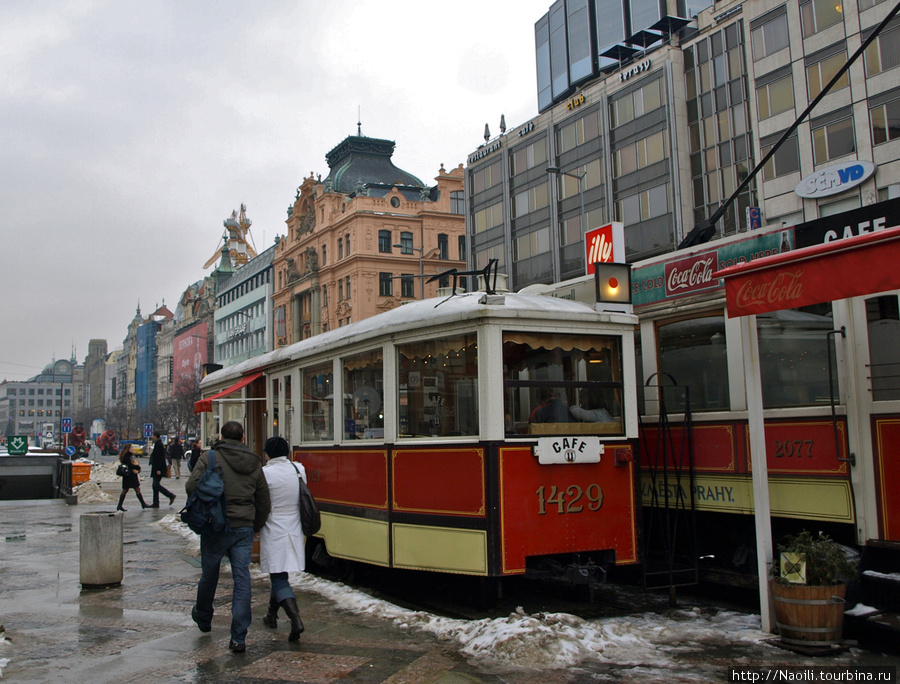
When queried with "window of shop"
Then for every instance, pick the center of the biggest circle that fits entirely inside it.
(554, 380)
(318, 403)
(692, 353)
(438, 387)
(794, 356)
(363, 396)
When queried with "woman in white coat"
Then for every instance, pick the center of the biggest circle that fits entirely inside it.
(281, 541)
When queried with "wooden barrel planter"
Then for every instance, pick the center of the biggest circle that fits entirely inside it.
(809, 615)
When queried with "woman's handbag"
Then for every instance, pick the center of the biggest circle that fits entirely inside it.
(310, 520)
(168, 471)
(122, 470)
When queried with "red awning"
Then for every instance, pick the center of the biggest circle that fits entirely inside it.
(205, 405)
(822, 273)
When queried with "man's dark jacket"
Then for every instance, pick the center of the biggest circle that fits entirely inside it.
(246, 492)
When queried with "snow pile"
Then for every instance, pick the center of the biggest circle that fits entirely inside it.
(3, 641)
(91, 492)
(558, 640)
(105, 472)
(172, 522)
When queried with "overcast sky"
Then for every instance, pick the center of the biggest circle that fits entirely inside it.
(131, 130)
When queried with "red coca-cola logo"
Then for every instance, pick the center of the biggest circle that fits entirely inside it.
(784, 289)
(690, 275)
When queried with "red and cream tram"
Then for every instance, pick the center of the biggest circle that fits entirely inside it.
(483, 434)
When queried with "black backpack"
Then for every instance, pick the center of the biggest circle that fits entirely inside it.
(204, 511)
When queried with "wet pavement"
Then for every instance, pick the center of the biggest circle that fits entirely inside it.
(141, 631)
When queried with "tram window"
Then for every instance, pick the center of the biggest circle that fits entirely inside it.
(883, 323)
(692, 353)
(363, 396)
(318, 403)
(562, 384)
(794, 356)
(438, 387)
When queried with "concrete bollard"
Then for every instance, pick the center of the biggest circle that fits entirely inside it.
(100, 551)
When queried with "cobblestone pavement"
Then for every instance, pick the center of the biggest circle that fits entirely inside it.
(141, 631)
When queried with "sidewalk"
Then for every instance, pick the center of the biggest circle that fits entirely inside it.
(141, 631)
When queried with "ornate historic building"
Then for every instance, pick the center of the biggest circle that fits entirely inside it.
(364, 240)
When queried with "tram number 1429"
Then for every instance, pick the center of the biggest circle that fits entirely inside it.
(572, 499)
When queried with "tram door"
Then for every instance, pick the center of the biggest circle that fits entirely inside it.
(880, 393)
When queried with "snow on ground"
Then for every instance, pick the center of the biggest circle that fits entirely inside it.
(543, 640)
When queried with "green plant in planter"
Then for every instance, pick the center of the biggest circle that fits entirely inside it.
(826, 563)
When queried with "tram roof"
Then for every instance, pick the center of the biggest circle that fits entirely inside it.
(423, 314)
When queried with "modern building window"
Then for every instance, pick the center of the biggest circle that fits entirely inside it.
(489, 217)
(457, 202)
(384, 241)
(833, 140)
(769, 37)
(578, 132)
(532, 244)
(637, 103)
(883, 53)
(484, 256)
(485, 178)
(818, 15)
(385, 284)
(528, 156)
(592, 176)
(530, 200)
(407, 285)
(443, 246)
(775, 97)
(885, 121)
(867, 4)
(820, 73)
(643, 205)
(641, 153)
(785, 160)
(406, 243)
(570, 231)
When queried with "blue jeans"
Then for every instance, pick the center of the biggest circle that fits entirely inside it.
(281, 587)
(237, 543)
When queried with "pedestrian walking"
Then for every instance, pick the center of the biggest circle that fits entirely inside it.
(158, 467)
(247, 507)
(196, 450)
(176, 455)
(130, 480)
(281, 541)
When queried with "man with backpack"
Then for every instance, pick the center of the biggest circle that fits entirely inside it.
(247, 506)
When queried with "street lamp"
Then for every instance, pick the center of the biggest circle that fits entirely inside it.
(421, 251)
(555, 171)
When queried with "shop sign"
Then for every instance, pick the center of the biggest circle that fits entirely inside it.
(834, 179)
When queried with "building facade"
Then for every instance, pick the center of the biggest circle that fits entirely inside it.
(28, 406)
(364, 240)
(243, 316)
(655, 113)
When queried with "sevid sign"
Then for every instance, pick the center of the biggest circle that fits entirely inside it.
(834, 179)
(605, 244)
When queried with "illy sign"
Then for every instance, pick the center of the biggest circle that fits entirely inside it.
(834, 179)
(605, 244)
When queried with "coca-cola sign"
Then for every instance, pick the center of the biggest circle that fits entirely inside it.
(781, 292)
(691, 275)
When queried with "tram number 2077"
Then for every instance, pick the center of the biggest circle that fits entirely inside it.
(572, 499)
